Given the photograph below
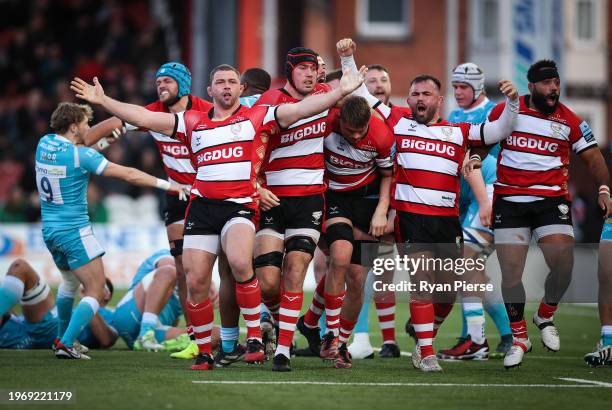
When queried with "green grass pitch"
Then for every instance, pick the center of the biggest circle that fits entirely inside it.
(121, 379)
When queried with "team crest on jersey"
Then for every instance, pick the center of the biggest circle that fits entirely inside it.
(316, 217)
(447, 132)
(557, 129)
(235, 129)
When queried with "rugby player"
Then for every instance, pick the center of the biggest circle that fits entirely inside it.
(63, 167)
(227, 144)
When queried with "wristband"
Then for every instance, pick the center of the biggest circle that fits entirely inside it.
(162, 184)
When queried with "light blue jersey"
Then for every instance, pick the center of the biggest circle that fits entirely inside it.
(250, 100)
(62, 175)
(474, 115)
(149, 265)
(18, 333)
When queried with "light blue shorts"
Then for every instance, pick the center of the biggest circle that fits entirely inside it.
(128, 318)
(72, 248)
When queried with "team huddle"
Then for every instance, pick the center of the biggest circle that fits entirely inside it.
(323, 170)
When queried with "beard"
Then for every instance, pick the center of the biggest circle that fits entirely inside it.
(170, 100)
(226, 104)
(424, 117)
(541, 102)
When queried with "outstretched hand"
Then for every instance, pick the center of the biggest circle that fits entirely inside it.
(93, 94)
(351, 81)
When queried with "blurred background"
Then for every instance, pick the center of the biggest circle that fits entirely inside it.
(44, 43)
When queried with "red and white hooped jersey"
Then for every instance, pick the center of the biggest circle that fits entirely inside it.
(349, 167)
(428, 160)
(534, 159)
(227, 154)
(295, 164)
(174, 154)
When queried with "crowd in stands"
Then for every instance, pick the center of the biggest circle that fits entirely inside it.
(43, 44)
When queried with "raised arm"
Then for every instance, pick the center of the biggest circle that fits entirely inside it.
(137, 177)
(346, 50)
(288, 114)
(139, 116)
(492, 132)
(102, 129)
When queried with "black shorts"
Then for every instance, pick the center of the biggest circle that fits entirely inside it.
(532, 215)
(295, 212)
(175, 209)
(209, 216)
(418, 232)
(352, 205)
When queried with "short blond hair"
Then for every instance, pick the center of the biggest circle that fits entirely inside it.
(68, 113)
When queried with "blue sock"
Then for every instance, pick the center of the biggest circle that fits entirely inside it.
(149, 321)
(229, 338)
(498, 313)
(160, 333)
(10, 293)
(64, 302)
(363, 323)
(606, 335)
(84, 312)
(322, 324)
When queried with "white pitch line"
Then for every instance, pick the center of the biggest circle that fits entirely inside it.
(592, 382)
(322, 383)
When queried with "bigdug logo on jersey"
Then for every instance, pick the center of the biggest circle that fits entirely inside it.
(223, 153)
(525, 142)
(343, 162)
(175, 149)
(429, 147)
(317, 128)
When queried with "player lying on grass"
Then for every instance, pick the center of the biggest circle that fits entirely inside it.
(37, 326)
(147, 315)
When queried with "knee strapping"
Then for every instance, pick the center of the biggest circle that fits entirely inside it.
(269, 259)
(339, 231)
(36, 294)
(302, 244)
(176, 247)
